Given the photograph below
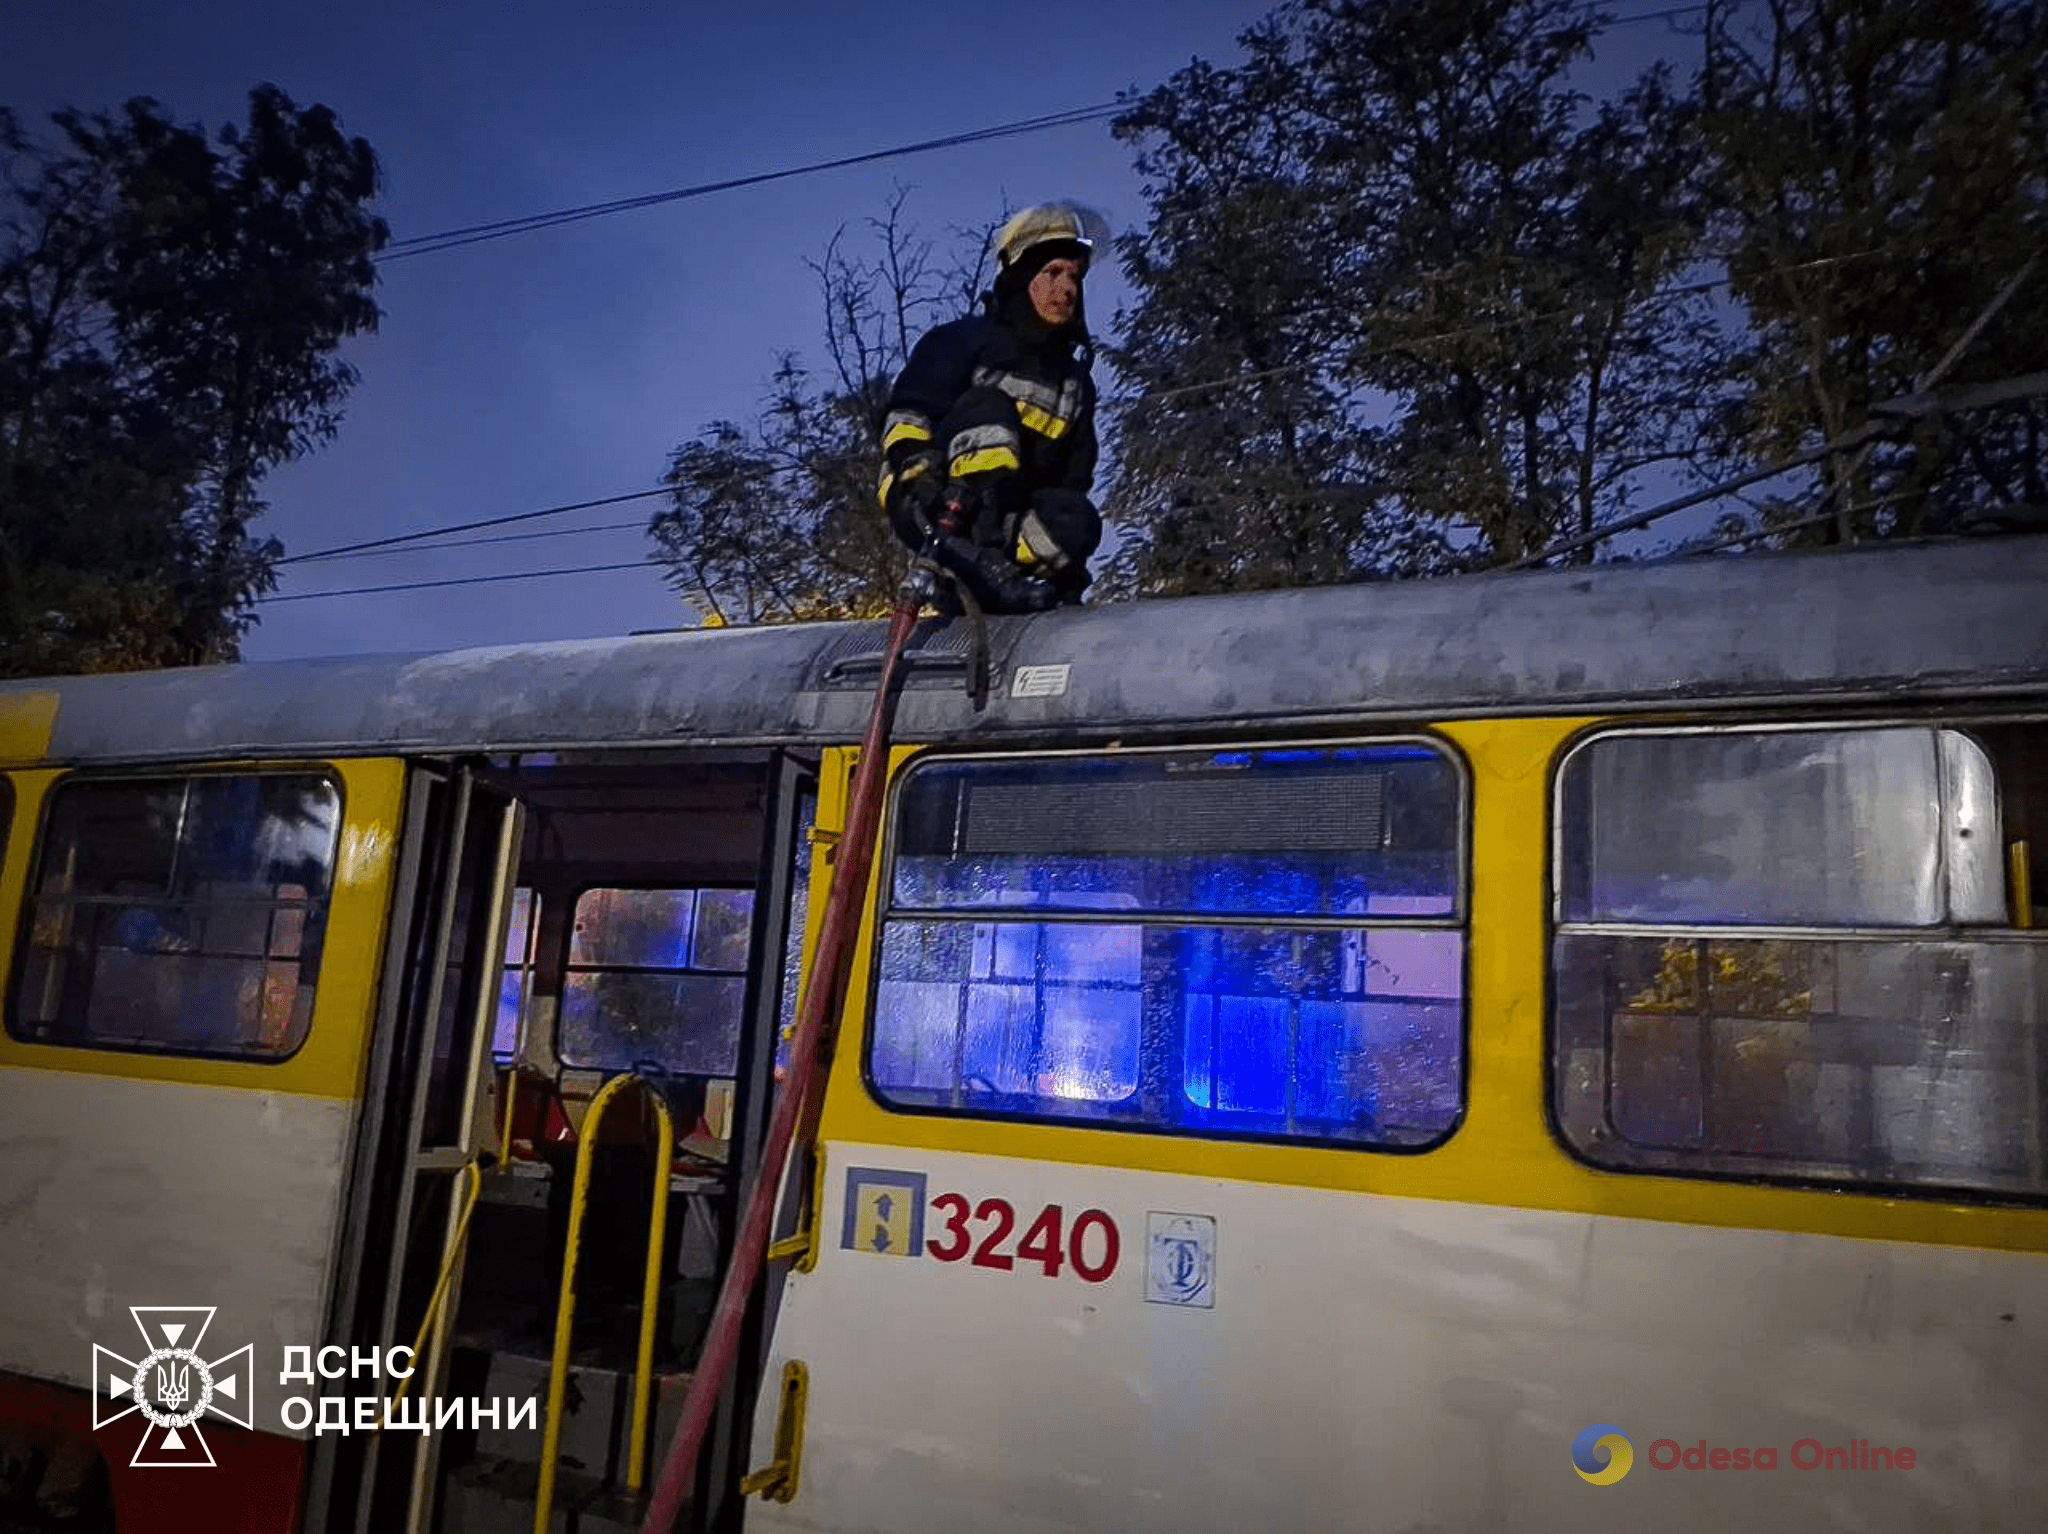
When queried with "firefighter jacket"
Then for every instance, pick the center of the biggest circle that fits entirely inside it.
(1003, 405)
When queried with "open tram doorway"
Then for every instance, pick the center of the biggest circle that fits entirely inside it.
(610, 914)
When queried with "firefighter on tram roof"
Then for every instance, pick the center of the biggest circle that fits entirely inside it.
(989, 445)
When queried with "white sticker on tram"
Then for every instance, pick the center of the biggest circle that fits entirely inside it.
(1180, 1259)
(1040, 681)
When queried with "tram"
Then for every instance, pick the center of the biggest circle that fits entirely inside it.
(1532, 1051)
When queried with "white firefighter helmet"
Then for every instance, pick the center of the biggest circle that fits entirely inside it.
(1051, 223)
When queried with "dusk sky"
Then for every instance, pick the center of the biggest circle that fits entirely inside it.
(564, 365)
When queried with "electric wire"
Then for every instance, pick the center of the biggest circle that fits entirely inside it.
(1661, 296)
(1664, 15)
(1102, 111)
(462, 580)
(420, 541)
(637, 524)
(469, 527)
(473, 234)
(2027, 386)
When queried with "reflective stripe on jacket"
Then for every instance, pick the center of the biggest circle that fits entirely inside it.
(1051, 442)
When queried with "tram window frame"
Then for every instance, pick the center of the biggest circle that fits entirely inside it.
(1849, 1051)
(516, 977)
(313, 909)
(571, 968)
(1168, 940)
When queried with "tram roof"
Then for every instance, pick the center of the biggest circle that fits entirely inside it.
(1923, 621)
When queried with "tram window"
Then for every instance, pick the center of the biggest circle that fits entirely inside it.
(1795, 827)
(657, 977)
(1794, 954)
(522, 931)
(1247, 942)
(179, 915)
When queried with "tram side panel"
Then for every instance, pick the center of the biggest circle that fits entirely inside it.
(193, 960)
(1021, 1320)
(1335, 1360)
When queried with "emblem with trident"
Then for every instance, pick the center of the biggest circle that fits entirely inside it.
(173, 1385)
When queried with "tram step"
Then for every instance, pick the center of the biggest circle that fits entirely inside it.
(597, 1415)
(492, 1496)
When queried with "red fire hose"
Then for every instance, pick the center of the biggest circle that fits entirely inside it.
(816, 1022)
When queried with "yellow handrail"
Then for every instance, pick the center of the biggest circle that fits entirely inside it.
(779, 1479)
(803, 1244)
(511, 1098)
(565, 1309)
(448, 1264)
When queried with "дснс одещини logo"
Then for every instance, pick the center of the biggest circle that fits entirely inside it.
(172, 1386)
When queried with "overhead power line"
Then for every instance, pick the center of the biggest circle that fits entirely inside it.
(1102, 111)
(1665, 15)
(638, 524)
(418, 541)
(472, 234)
(463, 580)
(1886, 416)
(1481, 327)
(470, 527)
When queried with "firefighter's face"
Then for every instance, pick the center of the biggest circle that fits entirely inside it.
(1056, 291)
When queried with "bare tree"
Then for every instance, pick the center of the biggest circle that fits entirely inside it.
(776, 521)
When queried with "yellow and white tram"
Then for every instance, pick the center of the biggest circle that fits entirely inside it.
(1546, 1051)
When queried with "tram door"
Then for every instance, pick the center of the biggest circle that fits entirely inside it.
(570, 919)
(423, 1126)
